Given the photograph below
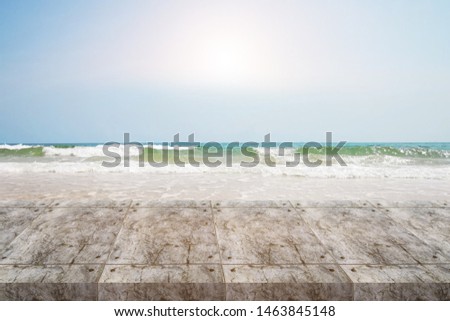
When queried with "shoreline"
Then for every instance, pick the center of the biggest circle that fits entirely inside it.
(215, 186)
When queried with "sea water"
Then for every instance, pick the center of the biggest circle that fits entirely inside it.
(363, 160)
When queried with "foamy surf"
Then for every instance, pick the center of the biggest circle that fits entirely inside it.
(395, 160)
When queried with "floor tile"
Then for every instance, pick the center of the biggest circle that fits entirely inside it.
(398, 282)
(166, 236)
(24, 203)
(170, 203)
(287, 282)
(430, 225)
(267, 236)
(368, 236)
(246, 204)
(49, 282)
(407, 204)
(65, 236)
(329, 204)
(13, 221)
(162, 282)
(90, 203)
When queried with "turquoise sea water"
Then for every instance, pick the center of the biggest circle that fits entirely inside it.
(401, 150)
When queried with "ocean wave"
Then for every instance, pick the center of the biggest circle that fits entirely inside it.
(17, 146)
(416, 151)
(76, 151)
(404, 152)
(369, 161)
(352, 171)
(21, 151)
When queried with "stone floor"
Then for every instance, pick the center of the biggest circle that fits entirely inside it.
(224, 250)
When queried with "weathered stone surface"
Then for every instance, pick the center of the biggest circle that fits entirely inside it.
(252, 204)
(162, 282)
(202, 250)
(49, 282)
(330, 204)
(408, 204)
(444, 203)
(65, 236)
(368, 236)
(399, 282)
(25, 203)
(267, 236)
(170, 203)
(90, 203)
(166, 236)
(287, 282)
(431, 225)
(13, 221)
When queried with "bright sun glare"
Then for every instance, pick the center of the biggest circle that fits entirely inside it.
(227, 61)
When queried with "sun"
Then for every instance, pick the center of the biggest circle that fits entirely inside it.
(227, 61)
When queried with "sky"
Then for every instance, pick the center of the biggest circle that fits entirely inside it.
(89, 71)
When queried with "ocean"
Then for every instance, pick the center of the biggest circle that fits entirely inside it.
(363, 160)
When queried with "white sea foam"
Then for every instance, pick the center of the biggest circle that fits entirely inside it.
(87, 151)
(349, 172)
(97, 151)
(16, 147)
(88, 159)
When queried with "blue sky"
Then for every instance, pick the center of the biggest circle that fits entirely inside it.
(88, 71)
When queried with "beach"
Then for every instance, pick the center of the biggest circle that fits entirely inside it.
(214, 186)
(384, 171)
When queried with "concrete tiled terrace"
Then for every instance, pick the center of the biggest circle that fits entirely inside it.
(224, 250)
